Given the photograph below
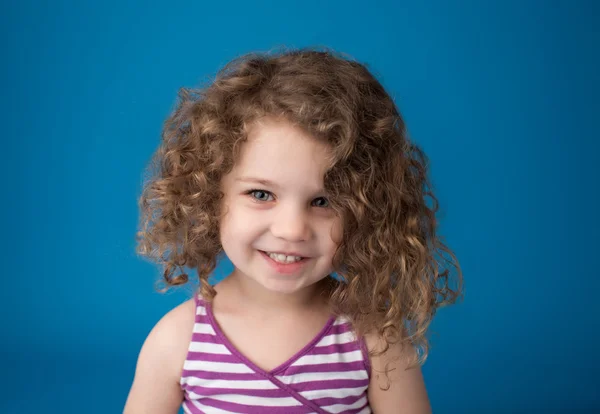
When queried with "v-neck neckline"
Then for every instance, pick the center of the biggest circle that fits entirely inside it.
(252, 365)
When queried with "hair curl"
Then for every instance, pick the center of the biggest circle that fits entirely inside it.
(395, 270)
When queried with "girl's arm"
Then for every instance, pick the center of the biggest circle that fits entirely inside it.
(406, 393)
(155, 388)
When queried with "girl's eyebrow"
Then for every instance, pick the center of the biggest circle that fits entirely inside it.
(262, 181)
(266, 183)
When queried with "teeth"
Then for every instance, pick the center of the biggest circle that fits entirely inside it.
(282, 258)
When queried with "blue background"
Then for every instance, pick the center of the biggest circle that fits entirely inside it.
(503, 96)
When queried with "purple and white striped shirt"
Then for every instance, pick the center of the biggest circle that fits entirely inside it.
(330, 375)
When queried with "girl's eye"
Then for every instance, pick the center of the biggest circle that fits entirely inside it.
(261, 195)
(320, 202)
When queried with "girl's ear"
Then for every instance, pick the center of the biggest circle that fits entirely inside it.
(337, 231)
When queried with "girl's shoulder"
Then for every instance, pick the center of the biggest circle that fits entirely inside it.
(396, 384)
(156, 387)
(177, 324)
(169, 339)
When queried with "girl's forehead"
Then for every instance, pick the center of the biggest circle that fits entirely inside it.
(280, 152)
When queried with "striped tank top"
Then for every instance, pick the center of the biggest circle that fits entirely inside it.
(330, 375)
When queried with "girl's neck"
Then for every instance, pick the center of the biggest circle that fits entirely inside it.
(253, 297)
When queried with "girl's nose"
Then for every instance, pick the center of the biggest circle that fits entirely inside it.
(291, 224)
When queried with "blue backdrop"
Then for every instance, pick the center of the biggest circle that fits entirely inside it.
(503, 96)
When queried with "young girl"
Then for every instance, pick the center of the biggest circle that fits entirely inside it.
(297, 167)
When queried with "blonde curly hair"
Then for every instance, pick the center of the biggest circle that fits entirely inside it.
(394, 271)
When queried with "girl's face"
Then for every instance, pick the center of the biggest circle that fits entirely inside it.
(277, 226)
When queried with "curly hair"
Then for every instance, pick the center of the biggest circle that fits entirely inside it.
(394, 271)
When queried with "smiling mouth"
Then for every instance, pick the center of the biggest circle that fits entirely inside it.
(283, 259)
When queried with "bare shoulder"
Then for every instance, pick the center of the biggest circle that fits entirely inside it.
(394, 388)
(170, 338)
(155, 387)
(176, 326)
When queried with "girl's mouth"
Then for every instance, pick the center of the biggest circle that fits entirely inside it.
(282, 258)
(283, 263)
